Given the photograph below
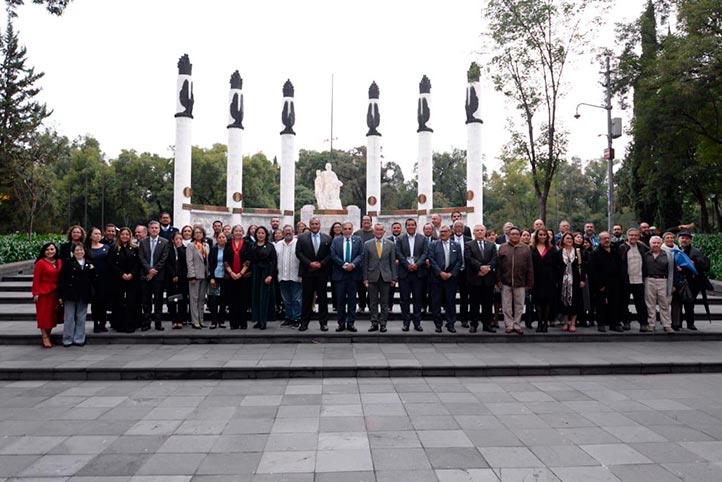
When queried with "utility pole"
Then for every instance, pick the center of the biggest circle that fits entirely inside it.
(330, 152)
(614, 130)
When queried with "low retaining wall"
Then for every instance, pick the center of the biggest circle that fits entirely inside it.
(19, 267)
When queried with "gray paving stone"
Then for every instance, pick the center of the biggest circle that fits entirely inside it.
(287, 462)
(117, 464)
(501, 457)
(537, 474)
(615, 454)
(453, 458)
(667, 452)
(342, 424)
(466, 475)
(32, 445)
(11, 465)
(229, 464)
(643, 473)
(136, 444)
(406, 476)
(355, 460)
(172, 464)
(84, 444)
(188, 444)
(711, 451)
(283, 442)
(56, 465)
(695, 472)
(563, 456)
(239, 443)
(400, 459)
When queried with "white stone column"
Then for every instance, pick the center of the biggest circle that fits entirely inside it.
(474, 159)
(373, 154)
(182, 163)
(234, 160)
(288, 155)
(425, 160)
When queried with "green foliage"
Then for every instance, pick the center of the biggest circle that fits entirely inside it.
(55, 7)
(20, 247)
(449, 175)
(260, 182)
(711, 245)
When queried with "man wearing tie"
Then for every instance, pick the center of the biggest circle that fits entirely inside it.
(480, 260)
(153, 256)
(347, 255)
(379, 274)
(394, 238)
(411, 255)
(166, 230)
(313, 251)
(445, 257)
(461, 239)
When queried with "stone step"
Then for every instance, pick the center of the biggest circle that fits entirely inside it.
(341, 360)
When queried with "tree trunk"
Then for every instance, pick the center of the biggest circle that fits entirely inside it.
(704, 212)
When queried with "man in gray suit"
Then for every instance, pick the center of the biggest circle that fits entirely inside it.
(379, 275)
(153, 252)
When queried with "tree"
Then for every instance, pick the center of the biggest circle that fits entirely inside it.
(56, 7)
(260, 182)
(532, 42)
(449, 174)
(20, 113)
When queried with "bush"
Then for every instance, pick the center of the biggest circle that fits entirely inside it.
(17, 247)
(711, 245)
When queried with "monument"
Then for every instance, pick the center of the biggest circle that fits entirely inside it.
(288, 154)
(234, 157)
(183, 120)
(327, 189)
(373, 153)
(425, 159)
(474, 159)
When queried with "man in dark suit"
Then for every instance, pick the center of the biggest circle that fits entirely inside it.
(461, 239)
(365, 233)
(456, 216)
(153, 252)
(445, 257)
(166, 230)
(313, 251)
(379, 274)
(396, 232)
(347, 255)
(480, 261)
(411, 254)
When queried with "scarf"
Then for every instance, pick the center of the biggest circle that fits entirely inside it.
(568, 280)
(236, 264)
(200, 246)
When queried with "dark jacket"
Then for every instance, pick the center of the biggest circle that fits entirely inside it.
(474, 259)
(605, 269)
(75, 282)
(338, 253)
(546, 275)
(438, 261)
(622, 251)
(213, 260)
(421, 254)
(124, 260)
(306, 255)
(514, 266)
(160, 256)
(176, 265)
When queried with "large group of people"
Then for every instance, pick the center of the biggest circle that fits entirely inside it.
(452, 273)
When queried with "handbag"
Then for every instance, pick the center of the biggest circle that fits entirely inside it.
(685, 292)
(177, 298)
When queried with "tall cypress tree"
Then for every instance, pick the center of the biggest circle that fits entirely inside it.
(21, 114)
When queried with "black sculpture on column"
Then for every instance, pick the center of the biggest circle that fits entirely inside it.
(236, 107)
(373, 118)
(423, 113)
(288, 116)
(472, 99)
(185, 96)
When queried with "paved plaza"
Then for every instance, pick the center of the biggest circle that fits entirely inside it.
(655, 428)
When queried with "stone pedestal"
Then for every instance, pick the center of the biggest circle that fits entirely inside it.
(329, 216)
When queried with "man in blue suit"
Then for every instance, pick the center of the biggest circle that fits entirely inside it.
(411, 254)
(347, 254)
(445, 257)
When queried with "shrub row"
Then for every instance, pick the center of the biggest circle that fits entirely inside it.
(18, 247)
(711, 245)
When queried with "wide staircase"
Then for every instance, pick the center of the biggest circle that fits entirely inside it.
(283, 351)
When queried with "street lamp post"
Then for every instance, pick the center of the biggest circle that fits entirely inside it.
(614, 130)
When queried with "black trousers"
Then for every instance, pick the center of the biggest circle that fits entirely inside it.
(481, 297)
(178, 310)
(462, 288)
(637, 292)
(311, 285)
(217, 304)
(443, 294)
(239, 300)
(152, 293)
(412, 288)
(362, 295)
(607, 304)
(126, 307)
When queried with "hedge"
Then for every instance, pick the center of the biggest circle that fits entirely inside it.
(711, 245)
(17, 247)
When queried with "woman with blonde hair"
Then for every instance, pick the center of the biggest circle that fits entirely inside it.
(124, 263)
(76, 235)
(197, 261)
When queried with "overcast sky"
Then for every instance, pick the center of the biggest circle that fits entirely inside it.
(110, 72)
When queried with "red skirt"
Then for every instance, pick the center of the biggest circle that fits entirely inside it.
(48, 311)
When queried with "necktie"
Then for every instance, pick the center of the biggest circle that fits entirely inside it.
(348, 251)
(446, 255)
(315, 243)
(378, 247)
(152, 251)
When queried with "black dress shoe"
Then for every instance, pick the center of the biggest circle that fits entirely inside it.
(617, 329)
(465, 324)
(626, 326)
(303, 327)
(340, 328)
(324, 327)
(145, 328)
(374, 328)
(159, 327)
(601, 329)
(438, 330)
(472, 329)
(418, 328)
(383, 329)
(405, 328)
(692, 327)
(351, 328)
(488, 329)
(451, 329)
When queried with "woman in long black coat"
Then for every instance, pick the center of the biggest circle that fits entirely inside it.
(572, 275)
(544, 256)
(177, 279)
(124, 262)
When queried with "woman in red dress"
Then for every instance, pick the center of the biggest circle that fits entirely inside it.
(45, 290)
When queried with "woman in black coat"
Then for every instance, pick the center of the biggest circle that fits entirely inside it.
(177, 279)
(124, 261)
(544, 256)
(218, 291)
(74, 292)
(572, 275)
